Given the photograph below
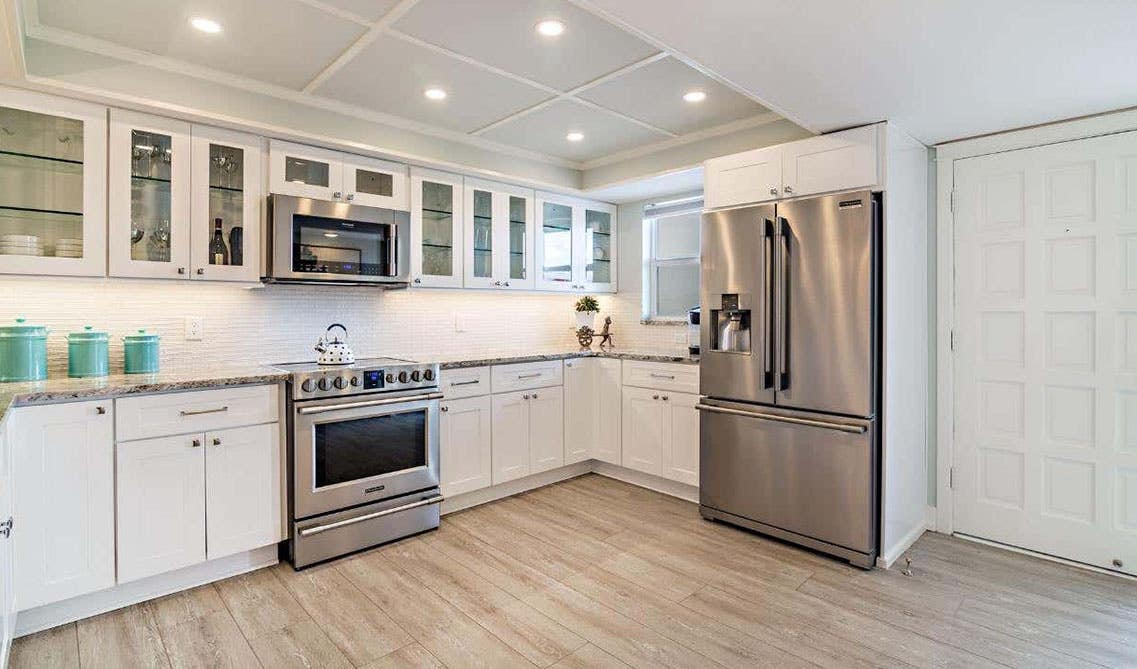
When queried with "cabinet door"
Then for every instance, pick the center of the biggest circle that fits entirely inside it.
(546, 429)
(598, 249)
(149, 186)
(53, 185)
(160, 505)
(644, 420)
(580, 408)
(741, 178)
(480, 245)
(606, 443)
(681, 438)
(465, 445)
(227, 196)
(7, 573)
(557, 248)
(242, 489)
(375, 183)
(510, 436)
(827, 163)
(436, 229)
(64, 500)
(516, 238)
(305, 171)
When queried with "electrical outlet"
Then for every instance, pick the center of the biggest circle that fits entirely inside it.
(195, 330)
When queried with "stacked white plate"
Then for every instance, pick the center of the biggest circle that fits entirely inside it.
(69, 248)
(21, 245)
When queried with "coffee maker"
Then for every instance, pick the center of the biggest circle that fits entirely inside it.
(693, 331)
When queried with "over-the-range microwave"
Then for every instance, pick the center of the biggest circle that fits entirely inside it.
(319, 242)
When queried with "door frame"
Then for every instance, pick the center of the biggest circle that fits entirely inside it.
(946, 154)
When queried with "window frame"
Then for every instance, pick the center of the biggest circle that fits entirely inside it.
(651, 263)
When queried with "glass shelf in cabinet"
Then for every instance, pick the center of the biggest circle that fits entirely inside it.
(41, 158)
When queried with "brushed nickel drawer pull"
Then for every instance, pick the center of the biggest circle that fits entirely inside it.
(663, 376)
(842, 427)
(201, 412)
(309, 531)
(528, 376)
(465, 383)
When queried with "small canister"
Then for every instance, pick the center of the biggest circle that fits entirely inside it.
(88, 353)
(23, 352)
(140, 353)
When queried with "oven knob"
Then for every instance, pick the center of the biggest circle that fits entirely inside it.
(390, 378)
(355, 380)
(416, 376)
(308, 385)
(428, 375)
(402, 377)
(340, 382)
(323, 384)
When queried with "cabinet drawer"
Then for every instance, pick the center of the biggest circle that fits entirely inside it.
(196, 411)
(662, 376)
(507, 378)
(469, 382)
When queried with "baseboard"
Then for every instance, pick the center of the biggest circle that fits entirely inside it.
(85, 606)
(510, 488)
(886, 560)
(649, 481)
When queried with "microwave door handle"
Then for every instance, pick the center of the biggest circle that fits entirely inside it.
(393, 253)
(784, 304)
(768, 306)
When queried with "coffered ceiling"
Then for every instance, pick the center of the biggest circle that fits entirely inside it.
(504, 82)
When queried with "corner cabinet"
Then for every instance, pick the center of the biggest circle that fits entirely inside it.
(52, 185)
(170, 186)
(436, 229)
(497, 236)
(307, 171)
(576, 244)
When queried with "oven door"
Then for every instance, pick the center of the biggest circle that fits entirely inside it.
(352, 451)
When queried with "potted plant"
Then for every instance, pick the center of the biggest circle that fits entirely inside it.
(586, 309)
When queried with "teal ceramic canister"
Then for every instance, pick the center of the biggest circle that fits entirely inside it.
(23, 352)
(88, 353)
(140, 353)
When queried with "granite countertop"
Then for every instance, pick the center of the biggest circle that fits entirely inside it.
(459, 362)
(25, 393)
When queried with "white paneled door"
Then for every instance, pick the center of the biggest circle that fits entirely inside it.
(1046, 350)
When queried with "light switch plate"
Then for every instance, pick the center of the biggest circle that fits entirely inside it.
(195, 329)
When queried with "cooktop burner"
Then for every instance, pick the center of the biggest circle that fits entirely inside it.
(366, 375)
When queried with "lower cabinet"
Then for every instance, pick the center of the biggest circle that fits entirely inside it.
(465, 451)
(661, 433)
(63, 474)
(189, 498)
(528, 433)
(592, 410)
(546, 429)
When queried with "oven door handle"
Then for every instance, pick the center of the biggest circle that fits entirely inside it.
(309, 531)
(306, 411)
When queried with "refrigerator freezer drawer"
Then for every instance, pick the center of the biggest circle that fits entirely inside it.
(808, 474)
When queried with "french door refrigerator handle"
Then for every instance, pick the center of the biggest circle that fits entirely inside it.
(826, 425)
(768, 306)
(784, 305)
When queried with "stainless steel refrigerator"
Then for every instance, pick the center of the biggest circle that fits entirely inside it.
(789, 371)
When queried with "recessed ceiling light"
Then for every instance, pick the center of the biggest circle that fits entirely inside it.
(574, 136)
(435, 94)
(695, 96)
(206, 25)
(550, 28)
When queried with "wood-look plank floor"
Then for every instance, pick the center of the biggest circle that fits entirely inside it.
(592, 572)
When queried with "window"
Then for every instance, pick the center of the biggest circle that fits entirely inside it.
(671, 259)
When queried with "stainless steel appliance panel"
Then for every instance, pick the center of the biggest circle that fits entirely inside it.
(825, 284)
(335, 534)
(737, 248)
(806, 473)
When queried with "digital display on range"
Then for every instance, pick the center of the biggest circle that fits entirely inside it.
(372, 379)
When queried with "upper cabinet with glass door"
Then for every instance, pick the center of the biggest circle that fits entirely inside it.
(306, 171)
(149, 188)
(52, 185)
(436, 228)
(226, 206)
(576, 244)
(498, 236)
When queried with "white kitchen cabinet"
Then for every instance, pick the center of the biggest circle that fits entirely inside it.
(227, 189)
(465, 445)
(526, 375)
(645, 420)
(63, 466)
(307, 171)
(606, 444)
(592, 409)
(464, 382)
(546, 429)
(164, 414)
(575, 248)
(149, 188)
(681, 443)
(741, 178)
(510, 436)
(838, 161)
(53, 180)
(160, 505)
(242, 489)
(436, 229)
(497, 236)
(7, 563)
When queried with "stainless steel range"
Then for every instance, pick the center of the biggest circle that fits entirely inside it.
(363, 455)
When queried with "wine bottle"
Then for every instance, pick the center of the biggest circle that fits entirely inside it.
(218, 251)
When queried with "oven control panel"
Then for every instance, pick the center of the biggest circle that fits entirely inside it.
(355, 380)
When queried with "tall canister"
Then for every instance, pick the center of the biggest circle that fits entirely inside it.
(140, 353)
(88, 353)
(23, 352)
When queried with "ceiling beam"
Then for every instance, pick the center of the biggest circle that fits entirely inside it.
(358, 45)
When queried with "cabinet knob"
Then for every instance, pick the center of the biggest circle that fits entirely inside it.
(181, 270)
(196, 443)
(788, 190)
(665, 398)
(524, 397)
(773, 191)
(337, 195)
(100, 410)
(497, 283)
(200, 271)
(568, 364)
(418, 280)
(350, 197)
(507, 284)
(655, 397)
(6, 528)
(445, 409)
(534, 395)
(217, 440)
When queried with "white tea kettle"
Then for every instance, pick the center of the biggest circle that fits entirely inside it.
(333, 350)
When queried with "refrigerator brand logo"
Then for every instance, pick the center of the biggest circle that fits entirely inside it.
(374, 489)
(850, 203)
